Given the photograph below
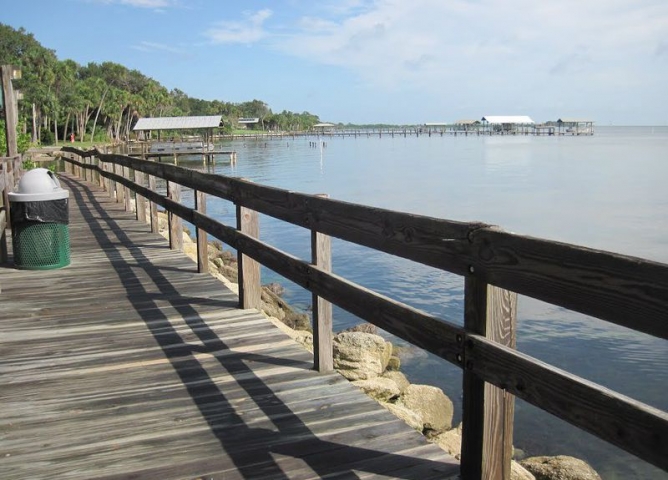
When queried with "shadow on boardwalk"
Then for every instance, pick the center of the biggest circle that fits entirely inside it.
(261, 436)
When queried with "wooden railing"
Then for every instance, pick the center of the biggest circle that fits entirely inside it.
(10, 168)
(496, 266)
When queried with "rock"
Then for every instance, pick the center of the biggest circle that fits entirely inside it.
(358, 356)
(433, 407)
(518, 472)
(561, 467)
(399, 379)
(363, 327)
(394, 363)
(305, 338)
(298, 321)
(379, 388)
(404, 414)
(275, 288)
(450, 441)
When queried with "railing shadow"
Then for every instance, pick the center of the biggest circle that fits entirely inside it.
(250, 449)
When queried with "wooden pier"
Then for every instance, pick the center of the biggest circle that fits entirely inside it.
(130, 364)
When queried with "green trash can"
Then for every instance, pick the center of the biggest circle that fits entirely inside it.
(40, 222)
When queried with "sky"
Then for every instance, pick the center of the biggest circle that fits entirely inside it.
(381, 61)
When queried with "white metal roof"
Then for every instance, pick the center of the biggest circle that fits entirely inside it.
(516, 119)
(178, 123)
(323, 125)
(248, 120)
(574, 120)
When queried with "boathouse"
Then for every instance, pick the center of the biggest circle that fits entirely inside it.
(575, 126)
(243, 122)
(323, 127)
(508, 124)
(145, 126)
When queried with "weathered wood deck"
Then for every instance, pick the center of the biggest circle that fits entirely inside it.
(129, 364)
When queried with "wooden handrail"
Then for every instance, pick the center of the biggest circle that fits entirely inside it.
(620, 289)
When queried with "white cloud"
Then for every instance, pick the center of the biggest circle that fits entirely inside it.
(435, 44)
(249, 30)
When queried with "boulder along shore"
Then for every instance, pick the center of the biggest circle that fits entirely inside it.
(371, 363)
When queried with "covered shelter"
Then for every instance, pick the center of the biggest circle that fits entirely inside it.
(243, 122)
(511, 124)
(575, 126)
(323, 127)
(206, 123)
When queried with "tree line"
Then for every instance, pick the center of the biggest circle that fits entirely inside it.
(103, 101)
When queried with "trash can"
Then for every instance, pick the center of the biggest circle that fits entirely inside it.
(40, 216)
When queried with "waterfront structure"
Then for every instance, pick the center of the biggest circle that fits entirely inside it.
(508, 124)
(467, 125)
(575, 126)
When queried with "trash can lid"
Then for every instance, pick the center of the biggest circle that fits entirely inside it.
(38, 184)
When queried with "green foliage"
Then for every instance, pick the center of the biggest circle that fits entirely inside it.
(22, 139)
(100, 102)
(46, 137)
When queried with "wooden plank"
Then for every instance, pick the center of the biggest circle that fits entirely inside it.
(163, 377)
(174, 221)
(487, 435)
(631, 425)
(250, 289)
(153, 208)
(10, 111)
(419, 328)
(628, 291)
(323, 334)
(539, 268)
(202, 240)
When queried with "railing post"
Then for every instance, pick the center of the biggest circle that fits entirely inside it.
(250, 290)
(140, 179)
(4, 215)
(202, 241)
(155, 227)
(118, 170)
(174, 221)
(127, 193)
(487, 419)
(321, 256)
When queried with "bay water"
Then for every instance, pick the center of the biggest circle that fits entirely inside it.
(606, 191)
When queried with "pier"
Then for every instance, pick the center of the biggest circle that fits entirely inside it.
(130, 363)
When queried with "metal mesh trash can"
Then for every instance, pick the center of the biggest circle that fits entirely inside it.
(40, 222)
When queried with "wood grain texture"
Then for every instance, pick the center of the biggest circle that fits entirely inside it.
(175, 224)
(202, 240)
(323, 334)
(631, 425)
(250, 288)
(628, 291)
(487, 440)
(163, 377)
(625, 290)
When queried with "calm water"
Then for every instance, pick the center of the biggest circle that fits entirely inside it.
(607, 191)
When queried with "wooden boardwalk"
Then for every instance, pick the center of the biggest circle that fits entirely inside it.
(129, 364)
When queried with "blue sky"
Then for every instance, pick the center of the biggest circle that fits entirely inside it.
(391, 61)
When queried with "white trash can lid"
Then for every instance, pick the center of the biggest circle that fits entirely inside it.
(37, 185)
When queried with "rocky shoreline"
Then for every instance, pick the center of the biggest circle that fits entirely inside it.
(371, 363)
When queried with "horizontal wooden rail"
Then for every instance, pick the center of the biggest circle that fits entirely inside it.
(631, 425)
(628, 291)
(624, 290)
